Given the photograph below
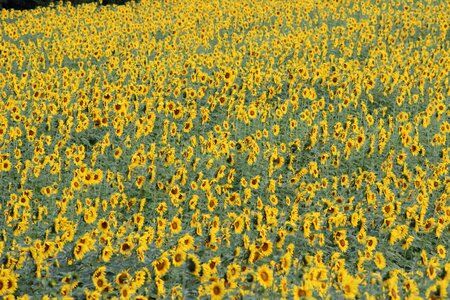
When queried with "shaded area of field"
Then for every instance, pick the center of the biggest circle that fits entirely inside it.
(33, 4)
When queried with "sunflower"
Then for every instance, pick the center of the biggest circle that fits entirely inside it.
(126, 248)
(371, 243)
(349, 287)
(161, 266)
(140, 180)
(276, 129)
(117, 153)
(301, 292)
(122, 278)
(178, 258)
(90, 215)
(5, 165)
(441, 251)
(3, 285)
(254, 182)
(379, 260)
(193, 264)
(97, 176)
(234, 199)
(252, 112)
(92, 294)
(80, 250)
(126, 292)
(139, 279)
(161, 290)
(212, 203)
(228, 76)
(238, 225)
(265, 276)
(266, 248)
(186, 242)
(217, 290)
(139, 219)
(107, 253)
(175, 225)
(233, 272)
(343, 244)
(100, 283)
(8, 282)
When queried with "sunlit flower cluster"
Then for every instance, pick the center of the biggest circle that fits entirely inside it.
(225, 149)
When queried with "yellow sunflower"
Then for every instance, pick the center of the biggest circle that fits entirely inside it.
(161, 266)
(265, 276)
(217, 290)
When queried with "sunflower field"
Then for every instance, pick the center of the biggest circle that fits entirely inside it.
(249, 149)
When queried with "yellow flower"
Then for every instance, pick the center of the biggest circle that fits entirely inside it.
(441, 251)
(193, 264)
(343, 244)
(233, 272)
(161, 290)
(371, 243)
(138, 220)
(139, 278)
(212, 203)
(254, 182)
(80, 250)
(5, 165)
(349, 286)
(122, 278)
(97, 176)
(252, 112)
(276, 129)
(90, 215)
(100, 283)
(117, 153)
(178, 258)
(217, 290)
(265, 276)
(238, 225)
(186, 242)
(379, 260)
(126, 248)
(187, 127)
(8, 282)
(126, 292)
(161, 266)
(228, 76)
(175, 225)
(302, 291)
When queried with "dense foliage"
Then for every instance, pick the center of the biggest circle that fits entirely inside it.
(237, 149)
(33, 4)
